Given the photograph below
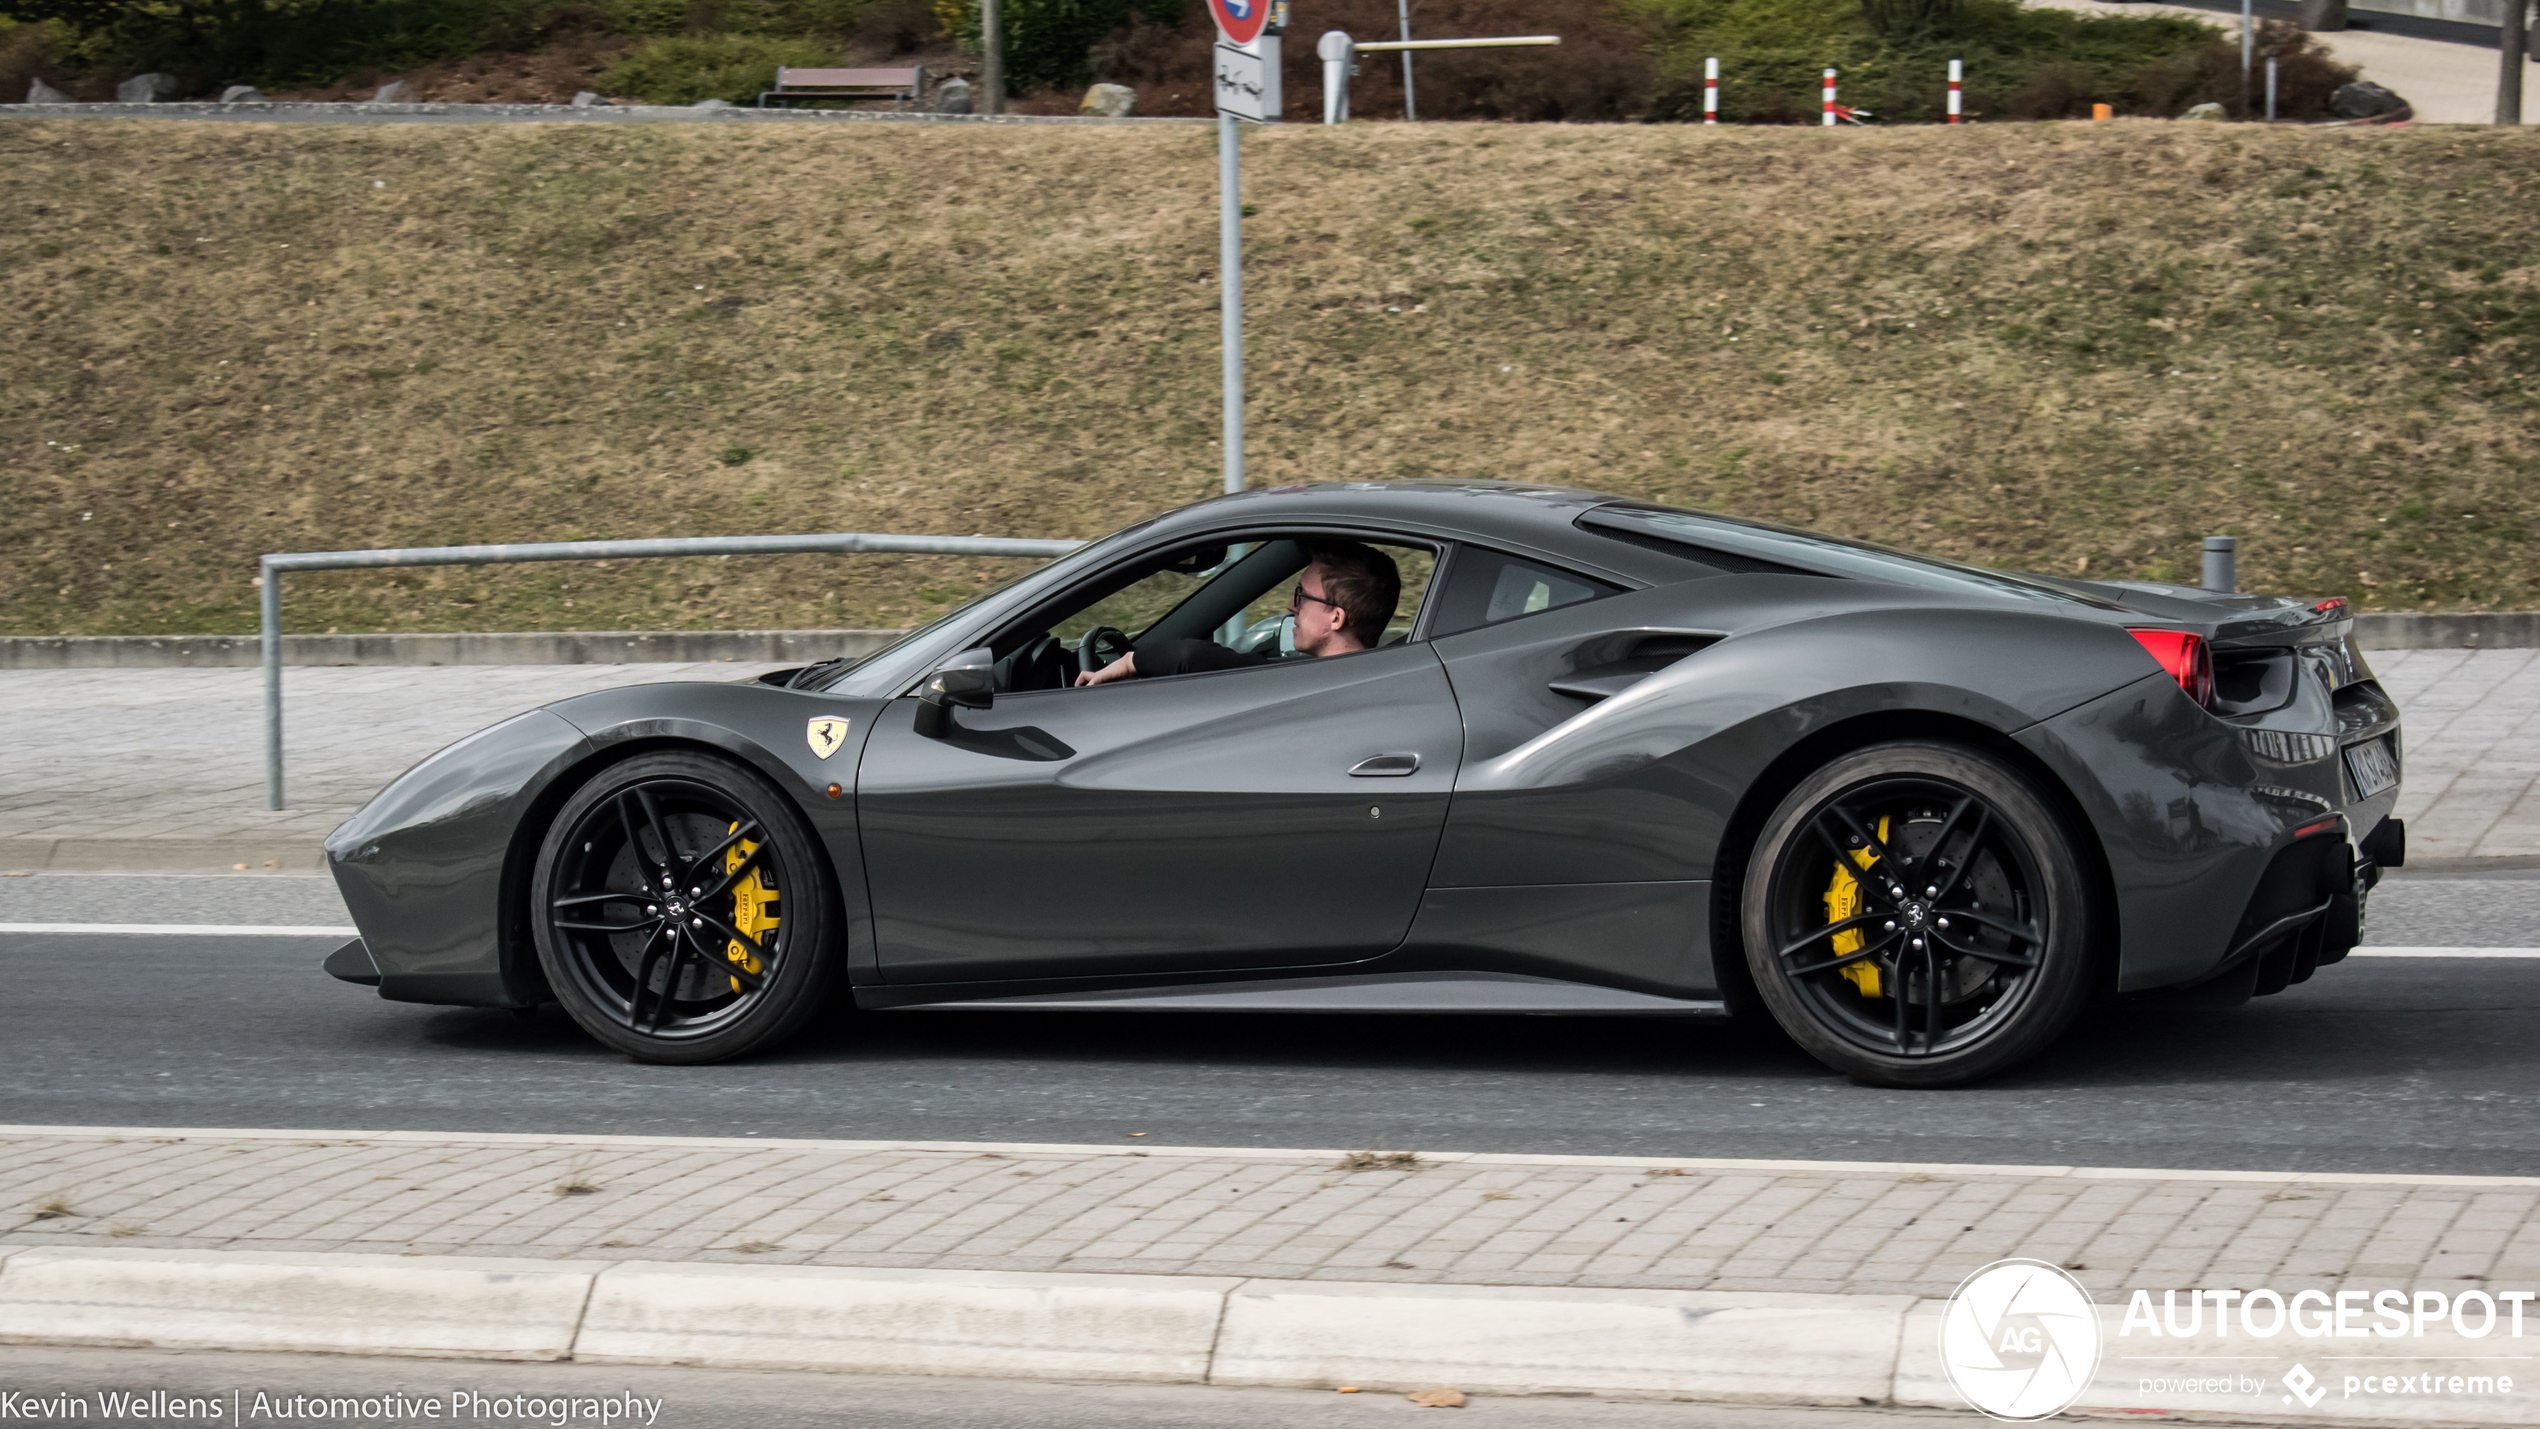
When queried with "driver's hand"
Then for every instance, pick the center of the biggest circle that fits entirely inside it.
(1124, 668)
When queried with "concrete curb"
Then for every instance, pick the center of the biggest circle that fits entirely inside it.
(1710, 1345)
(507, 647)
(363, 111)
(2448, 630)
(2388, 630)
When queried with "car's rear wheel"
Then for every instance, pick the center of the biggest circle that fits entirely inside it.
(682, 910)
(1915, 916)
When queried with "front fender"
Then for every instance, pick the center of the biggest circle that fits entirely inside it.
(766, 728)
(421, 865)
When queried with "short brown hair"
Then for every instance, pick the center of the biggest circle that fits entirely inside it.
(1362, 581)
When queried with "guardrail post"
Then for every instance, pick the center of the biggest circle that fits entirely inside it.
(2222, 560)
(269, 599)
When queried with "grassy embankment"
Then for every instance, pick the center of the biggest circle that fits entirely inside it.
(2058, 347)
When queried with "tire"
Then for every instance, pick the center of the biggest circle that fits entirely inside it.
(640, 950)
(1990, 969)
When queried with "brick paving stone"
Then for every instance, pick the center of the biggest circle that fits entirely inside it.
(1456, 1220)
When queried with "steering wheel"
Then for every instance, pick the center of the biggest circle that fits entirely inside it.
(1100, 647)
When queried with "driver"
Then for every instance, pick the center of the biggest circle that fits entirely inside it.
(1343, 598)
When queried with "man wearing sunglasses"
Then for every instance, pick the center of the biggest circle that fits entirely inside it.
(1343, 598)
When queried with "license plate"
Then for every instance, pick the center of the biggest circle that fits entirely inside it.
(2375, 768)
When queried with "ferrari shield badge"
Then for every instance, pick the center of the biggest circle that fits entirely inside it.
(826, 734)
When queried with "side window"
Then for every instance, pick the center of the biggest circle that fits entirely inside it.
(1264, 620)
(1140, 604)
(1486, 587)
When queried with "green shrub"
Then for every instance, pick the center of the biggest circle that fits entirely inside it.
(670, 70)
(2022, 62)
(1049, 43)
(728, 17)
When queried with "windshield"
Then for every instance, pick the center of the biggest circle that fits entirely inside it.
(1831, 555)
(827, 678)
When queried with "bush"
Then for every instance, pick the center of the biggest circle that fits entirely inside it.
(667, 70)
(283, 43)
(2021, 62)
(206, 43)
(1049, 44)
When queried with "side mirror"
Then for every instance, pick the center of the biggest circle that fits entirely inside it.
(968, 681)
(1199, 562)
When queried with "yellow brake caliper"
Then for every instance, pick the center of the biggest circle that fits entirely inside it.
(1843, 900)
(754, 902)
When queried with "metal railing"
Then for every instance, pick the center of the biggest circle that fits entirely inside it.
(270, 569)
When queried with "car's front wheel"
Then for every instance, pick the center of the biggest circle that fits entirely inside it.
(1914, 915)
(681, 908)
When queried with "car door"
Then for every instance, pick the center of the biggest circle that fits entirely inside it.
(1205, 822)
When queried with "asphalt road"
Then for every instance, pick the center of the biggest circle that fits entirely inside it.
(735, 1399)
(2389, 1065)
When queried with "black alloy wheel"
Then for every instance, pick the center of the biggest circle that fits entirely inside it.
(1914, 916)
(682, 910)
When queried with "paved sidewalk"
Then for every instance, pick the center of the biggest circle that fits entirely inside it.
(2472, 742)
(1450, 1218)
(162, 770)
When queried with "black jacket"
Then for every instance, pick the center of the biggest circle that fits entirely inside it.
(1189, 657)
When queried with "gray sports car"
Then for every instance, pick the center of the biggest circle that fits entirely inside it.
(1596, 756)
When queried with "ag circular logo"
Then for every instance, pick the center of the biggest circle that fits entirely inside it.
(2020, 1340)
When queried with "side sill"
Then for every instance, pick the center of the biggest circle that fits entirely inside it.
(1479, 993)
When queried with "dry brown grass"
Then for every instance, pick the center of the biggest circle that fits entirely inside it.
(2056, 347)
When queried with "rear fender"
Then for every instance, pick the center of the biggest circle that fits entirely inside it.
(1642, 786)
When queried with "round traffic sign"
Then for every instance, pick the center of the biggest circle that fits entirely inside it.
(1240, 21)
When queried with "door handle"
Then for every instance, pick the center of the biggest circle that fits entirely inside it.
(1386, 766)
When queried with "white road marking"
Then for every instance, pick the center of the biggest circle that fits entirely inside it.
(2446, 953)
(190, 930)
(316, 930)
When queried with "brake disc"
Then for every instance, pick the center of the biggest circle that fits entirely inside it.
(1962, 978)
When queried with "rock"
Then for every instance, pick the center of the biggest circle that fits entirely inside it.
(38, 92)
(2322, 15)
(1111, 101)
(953, 97)
(242, 94)
(585, 99)
(395, 91)
(2205, 111)
(145, 88)
(2363, 99)
(712, 104)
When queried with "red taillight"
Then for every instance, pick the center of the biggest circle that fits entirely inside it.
(2185, 657)
(2334, 605)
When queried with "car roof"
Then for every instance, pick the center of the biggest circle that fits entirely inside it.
(1509, 513)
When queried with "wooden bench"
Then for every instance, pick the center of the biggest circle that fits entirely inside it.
(900, 86)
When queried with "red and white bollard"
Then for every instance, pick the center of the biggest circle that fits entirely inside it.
(1956, 76)
(1711, 90)
(1830, 96)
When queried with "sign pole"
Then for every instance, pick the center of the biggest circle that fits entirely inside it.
(1410, 111)
(1246, 76)
(1230, 291)
(992, 57)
